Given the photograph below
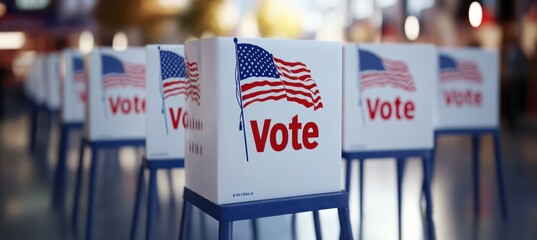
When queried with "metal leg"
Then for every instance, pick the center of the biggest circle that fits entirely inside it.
(139, 194)
(348, 171)
(185, 226)
(91, 195)
(293, 226)
(475, 170)
(78, 184)
(345, 223)
(428, 199)
(151, 220)
(34, 115)
(225, 231)
(48, 130)
(499, 174)
(400, 174)
(58, 192)
(317, 224)
(254, 223)
(361, 192)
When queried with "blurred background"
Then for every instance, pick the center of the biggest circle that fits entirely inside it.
(510, 26)
(30, 27)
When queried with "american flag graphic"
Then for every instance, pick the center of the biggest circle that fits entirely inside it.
(453, 70)
(376, 72)
(79, 78)
(173, 73)
(117, 73)
(263, 77)
(193, 83)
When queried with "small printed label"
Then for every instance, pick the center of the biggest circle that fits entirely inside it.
(243, 194)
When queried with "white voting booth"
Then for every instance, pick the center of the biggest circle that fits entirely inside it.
(263, 118)
(166, 92)
(468, 89)
(52, 81)
(116, 94)
(38, 84)
(388, 97)
(74, 95)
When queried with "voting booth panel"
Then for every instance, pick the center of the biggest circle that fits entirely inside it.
(388, 98)
(116, 94)
(166, 92)
(74, 94)
(264, 118)
(38, 82)
(52, 79)
(468, 89)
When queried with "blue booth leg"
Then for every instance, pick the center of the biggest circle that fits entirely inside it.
(475, 174)
(317, 224)
(58, 192)
(499, 174)
(348, 171)
(185, 224)
(293, 226)
(361, 190)
(33, 128)
(151, 204)
(400, 174)
(254, 223)
(428, 199)
(76, 200)
(345, 223)
(137, 201)
(225, 231)
(91, 194)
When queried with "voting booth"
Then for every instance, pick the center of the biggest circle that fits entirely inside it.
(468, 103)
(52, 81)
(263, 124)
(166, 85)
(74, 94)
(69, 69)
(388, 101)
(36, 91)
(114, 114)
(116, 94)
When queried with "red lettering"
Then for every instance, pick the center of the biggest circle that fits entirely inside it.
(114, 105)
(126, 106)
(463, 98)
(294, 126)
(310, 131)
(372, 112)
(175, 116)
(278, 147)
(260, 139)
(397, 109)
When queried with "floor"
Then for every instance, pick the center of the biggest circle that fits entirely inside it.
(26, 212)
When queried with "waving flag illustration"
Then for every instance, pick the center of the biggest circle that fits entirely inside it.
(117, 73)
(193, 83)
(172, 78)
(78, 80)
(377, 72)
(261, 77)
(453, 70)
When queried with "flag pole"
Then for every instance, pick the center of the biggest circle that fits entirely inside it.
(239, 99)
(162, 92)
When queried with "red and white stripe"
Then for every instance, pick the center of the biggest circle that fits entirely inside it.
(134, 76)
(466, 71)
(79, 83)
(193, 83)
(295, 84)
(395, 74)
(173, 87)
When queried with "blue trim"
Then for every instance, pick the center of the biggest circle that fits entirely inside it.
(267, 208)
(114, 143)
(163, 163)
(386, 154)
(466, 131)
